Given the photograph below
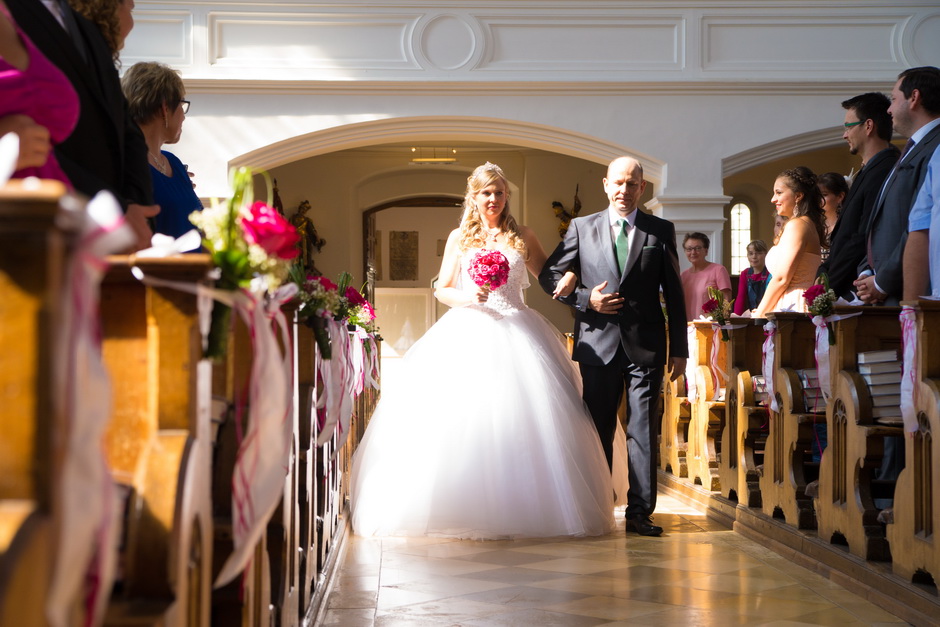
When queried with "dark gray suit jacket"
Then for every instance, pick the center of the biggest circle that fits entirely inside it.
(106, 150)
(848, 240)
(653, 263)
(887, 226)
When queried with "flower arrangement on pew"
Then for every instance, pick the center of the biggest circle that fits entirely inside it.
(717, 309)
(354, 307)
(249, 242)
(820, 301)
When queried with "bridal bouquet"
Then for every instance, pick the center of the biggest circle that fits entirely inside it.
(820, 301)
(489, 269)
(718, 309)
(247, 241)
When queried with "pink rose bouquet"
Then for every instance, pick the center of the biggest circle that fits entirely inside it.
(717, 309)
(489, 269)
(265, 227)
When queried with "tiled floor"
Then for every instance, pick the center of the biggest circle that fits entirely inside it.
(697, 573)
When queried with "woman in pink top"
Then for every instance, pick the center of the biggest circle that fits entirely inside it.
(702, 275)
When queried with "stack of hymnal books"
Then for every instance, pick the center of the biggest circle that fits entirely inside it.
(881, 370)
(760, 389)
(813, 399)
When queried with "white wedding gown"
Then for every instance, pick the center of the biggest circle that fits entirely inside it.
(487, 436)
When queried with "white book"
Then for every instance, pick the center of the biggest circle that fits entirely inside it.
(871, 357)
(885, 377)
(886, 400)
(880, 367)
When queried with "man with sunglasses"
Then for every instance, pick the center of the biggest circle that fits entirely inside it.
(868, 133)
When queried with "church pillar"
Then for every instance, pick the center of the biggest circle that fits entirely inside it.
(704, 214)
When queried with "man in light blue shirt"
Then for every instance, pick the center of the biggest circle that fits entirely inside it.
(924, 236)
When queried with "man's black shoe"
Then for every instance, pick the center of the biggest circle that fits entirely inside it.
(643, 525)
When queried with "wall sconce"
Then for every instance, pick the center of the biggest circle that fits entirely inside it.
(422, 156)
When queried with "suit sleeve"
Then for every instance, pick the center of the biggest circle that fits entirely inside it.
(674, 297)
(566, 256)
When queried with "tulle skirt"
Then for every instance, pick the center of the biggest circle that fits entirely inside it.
(485, 437)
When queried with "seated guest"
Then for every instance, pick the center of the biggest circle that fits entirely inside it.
(753, 280)
(155, 97)
(794, 260)
(38, 104)
(702, 275)
(834, 189)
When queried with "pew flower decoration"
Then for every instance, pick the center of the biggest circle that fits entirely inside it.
(320, 302)
(718, 309)
(820, 301)
(248, 241)
(354, 307)
(489, 269)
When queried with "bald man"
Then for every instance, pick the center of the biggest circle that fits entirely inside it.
(623, 258)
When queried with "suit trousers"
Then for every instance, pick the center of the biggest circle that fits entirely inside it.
(603, 391)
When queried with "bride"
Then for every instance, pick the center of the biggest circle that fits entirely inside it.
(487, 436)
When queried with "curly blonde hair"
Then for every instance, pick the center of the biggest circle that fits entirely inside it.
(104, 14)
(472, 234)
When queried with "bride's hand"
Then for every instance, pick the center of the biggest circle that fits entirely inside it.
(565, 285)
(479, 295)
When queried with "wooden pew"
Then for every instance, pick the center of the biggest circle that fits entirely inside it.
(744, 432)
(674, 434)
(707, 410)
(915, 547)
(33, 251)
(845, 509)
(787, 454)
(306, 375)
(159, 440)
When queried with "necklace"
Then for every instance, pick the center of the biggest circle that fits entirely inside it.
(492, 234)
(162, 166)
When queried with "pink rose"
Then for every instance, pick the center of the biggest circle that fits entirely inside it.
(325, 282)
(265, 227)
(354, 297)
(710, 306)
(812, 292)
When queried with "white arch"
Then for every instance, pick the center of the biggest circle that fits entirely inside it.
(813, 140)
(438, 128)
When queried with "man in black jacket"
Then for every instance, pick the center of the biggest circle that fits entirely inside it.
(868, 133)
(106, 151)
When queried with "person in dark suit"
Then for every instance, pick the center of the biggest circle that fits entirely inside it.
(106, 151)
(915, 110)
(868, 133)
(623, 258)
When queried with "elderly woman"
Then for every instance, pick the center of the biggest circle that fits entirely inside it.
(701, 275)
(155, 99)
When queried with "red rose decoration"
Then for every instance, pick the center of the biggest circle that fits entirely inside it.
(812, 292)
(267, 228)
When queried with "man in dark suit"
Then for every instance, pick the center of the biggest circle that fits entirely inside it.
(915, 111)
(868, 133)
(106, 151)
(620, 335)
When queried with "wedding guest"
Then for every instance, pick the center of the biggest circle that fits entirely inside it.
(156, 100)
(627, 261)
(106, 150)
(486, 435)
(779, 222)
(915, 111)
(922, 253)
(38, 104)
(703, 274)
(834, 189)
(114, 18)
(753, 280)
(868, 134)
(794, 260)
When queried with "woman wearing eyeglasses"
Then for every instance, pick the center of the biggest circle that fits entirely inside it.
(155, 99)
(702, 275)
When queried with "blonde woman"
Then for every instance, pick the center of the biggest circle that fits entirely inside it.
(487, 436)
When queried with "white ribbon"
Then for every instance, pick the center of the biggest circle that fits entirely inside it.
(332, 402)
(9, 153)
(718, 374)
(87, 539)
(166, 246)
(770, 330)
(691, 365)
(263, 454)
(821, 351)
(910, 379)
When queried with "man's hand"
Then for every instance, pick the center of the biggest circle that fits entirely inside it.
(136, 217)
(676, 367)
(34, 140)
(865, 286)
(605, 303)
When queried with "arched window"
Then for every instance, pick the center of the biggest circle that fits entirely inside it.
(740, 236)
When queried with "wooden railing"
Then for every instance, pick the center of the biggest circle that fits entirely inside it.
(836, 510)
(171, 443)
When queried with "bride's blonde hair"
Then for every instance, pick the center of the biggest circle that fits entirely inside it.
(472, 234)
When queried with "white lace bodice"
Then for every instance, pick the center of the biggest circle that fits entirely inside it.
(508, 298)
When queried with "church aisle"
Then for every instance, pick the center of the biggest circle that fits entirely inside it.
(698, 573)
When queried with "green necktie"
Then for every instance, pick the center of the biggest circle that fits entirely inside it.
(623, 244)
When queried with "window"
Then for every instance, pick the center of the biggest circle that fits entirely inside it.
(740, 236)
